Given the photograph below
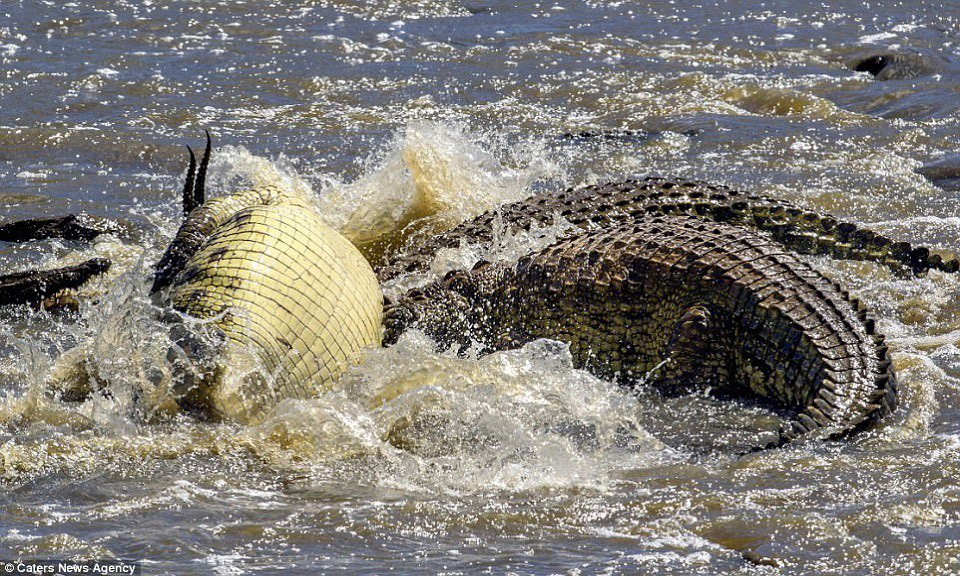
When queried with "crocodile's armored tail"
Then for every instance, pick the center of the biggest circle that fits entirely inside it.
(678, 302)
(801, 230)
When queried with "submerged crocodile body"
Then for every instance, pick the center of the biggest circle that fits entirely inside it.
(895, 65)
(595, 207)
(678, 302)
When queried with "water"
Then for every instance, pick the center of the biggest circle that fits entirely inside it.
(515, 463)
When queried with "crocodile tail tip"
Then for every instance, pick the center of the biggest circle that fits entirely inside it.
(846, 239)
(188, 196)
(951, 266)
(920, 260)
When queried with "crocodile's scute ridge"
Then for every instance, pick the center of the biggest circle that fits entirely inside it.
(605, 205)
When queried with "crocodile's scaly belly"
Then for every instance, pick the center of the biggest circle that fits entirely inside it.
(294, 301)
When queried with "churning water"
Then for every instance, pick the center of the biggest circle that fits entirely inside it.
(426, 463)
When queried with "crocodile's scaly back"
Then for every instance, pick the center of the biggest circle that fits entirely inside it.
(680, 302)
(614, 203)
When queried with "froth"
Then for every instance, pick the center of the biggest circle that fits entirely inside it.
(420, 421)
(432, 177)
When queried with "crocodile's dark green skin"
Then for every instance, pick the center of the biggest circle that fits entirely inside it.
(593, 207)
(679, 302)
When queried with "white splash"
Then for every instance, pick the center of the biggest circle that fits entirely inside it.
(424, 422)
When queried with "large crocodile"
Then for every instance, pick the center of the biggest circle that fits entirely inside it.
(294, 302)
(285, 304)
(652, 269)
(678, 302)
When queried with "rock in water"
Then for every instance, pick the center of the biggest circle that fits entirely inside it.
(894, 66)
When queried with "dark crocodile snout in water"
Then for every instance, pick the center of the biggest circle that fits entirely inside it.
(678, 302)
(35, 286)
(41, 287)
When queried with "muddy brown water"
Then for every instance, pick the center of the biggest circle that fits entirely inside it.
(514, 463)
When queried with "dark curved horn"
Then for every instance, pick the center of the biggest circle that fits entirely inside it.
(189, 198)
(198, 192)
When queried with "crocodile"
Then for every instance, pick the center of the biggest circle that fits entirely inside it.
(285, 305)
(50, 288)
(895, 66)
(676, 282)
(291, 301)
(43, 288)
(676, 302)
(604, 205)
